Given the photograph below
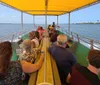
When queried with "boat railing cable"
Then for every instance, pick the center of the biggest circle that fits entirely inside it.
(88, 42)
(6, 38)
(82, 39)
(14, 36)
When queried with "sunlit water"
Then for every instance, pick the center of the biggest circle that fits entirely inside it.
(89, 30)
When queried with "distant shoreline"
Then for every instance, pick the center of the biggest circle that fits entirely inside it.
(85, 23)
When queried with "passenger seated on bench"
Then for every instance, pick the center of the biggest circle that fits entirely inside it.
(53, 25)
(63, 57)
(11, 71)
(81, 75)
(69, 43)
(33, 38)
(50, 30)
(37, 34)
(49, 27)
(53, 37)
(29, 53)
(40, 30)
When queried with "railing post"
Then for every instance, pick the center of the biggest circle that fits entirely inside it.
(62, 31)
(72, 35)
(78, 38)
(91, 44)
(12, 38)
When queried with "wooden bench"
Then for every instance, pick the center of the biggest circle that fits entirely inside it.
(33, 76)
(48, 73)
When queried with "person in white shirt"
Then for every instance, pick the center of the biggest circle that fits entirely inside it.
(33, 38)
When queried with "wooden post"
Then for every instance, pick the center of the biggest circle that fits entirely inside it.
(12, 38)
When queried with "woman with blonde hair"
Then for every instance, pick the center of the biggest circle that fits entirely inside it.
(29, 50)
(27, 45)
(11, 71)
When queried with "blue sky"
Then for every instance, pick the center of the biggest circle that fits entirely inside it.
(92, 13)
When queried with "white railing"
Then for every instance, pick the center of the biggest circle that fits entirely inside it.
(90, 43)
(14, 36)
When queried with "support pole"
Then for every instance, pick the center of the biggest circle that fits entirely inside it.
(34, 21)
(57, 23)
(22, 20)
(45, 16)
(69, 24)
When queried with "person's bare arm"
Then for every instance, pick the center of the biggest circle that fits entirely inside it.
(68, 78)
(29, 67)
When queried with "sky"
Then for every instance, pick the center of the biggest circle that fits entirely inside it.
(89, 14)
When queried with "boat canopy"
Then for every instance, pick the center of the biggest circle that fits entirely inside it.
(54, 7)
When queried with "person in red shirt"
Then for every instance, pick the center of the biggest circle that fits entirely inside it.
(81, 75)
(40, 31)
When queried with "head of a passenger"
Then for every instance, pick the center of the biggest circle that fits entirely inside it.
(5, 57)
(53, 23)
(41, 28)
(62, 40)
(27, 45)
(55, 31)
(32, 35)
(94, 58)
(49, 26)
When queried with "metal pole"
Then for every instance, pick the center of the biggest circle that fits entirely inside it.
(34, 21)
(57, 23)
(69, 23)
(46, 4)
(72, 36)
(78, 38)
(22, 20)
(45, 17)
